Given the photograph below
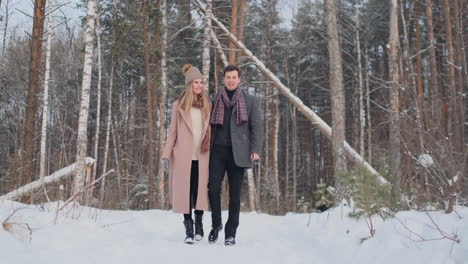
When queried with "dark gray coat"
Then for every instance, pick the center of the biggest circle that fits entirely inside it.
(248, 137)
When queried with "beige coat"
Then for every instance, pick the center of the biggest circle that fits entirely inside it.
(179, 153)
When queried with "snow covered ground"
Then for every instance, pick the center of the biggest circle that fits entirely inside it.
(86, 235)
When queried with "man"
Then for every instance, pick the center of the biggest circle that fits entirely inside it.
(237, 136)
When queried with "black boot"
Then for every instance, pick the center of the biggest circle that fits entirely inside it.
(213, 236)
(188, 231)
(198, 227)
(230, 241)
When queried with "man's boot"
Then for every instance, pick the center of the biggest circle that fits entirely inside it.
(213, 236)
(188, 231)
(198, 227)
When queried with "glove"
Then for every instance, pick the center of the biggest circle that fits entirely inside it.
(165, 164)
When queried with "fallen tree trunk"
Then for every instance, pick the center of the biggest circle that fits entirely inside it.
(308, 113)
(54, 177)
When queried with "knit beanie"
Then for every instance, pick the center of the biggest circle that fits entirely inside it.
(191, 73)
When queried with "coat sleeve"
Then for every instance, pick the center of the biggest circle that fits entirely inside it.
(172, 136)
(256, 127)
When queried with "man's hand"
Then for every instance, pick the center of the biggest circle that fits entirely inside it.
(165, 164)
(254, 156)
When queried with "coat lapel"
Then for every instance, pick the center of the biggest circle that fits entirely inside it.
(187, 118)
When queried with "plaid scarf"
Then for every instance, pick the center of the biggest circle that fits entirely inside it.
(238, 100)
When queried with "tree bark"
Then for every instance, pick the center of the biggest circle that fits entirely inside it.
(108, 128)
(206, 45)
(394, 130)
(149, 110)
(232, 47)
(33, 88)
(162, 104)
(89, 193)
(45, 107)
(434, 80)
(455, 126)
(419, 80)
(336, 89)
(361, 111)
(82, 141)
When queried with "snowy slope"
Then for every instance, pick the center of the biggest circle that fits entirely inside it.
(87, 235)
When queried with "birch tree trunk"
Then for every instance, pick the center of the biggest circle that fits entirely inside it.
(45, 107)
(362, 113)
(149, 110)
(336, 89)
(394, 130)
(89, 193)
(206, 45)
(162, 104)
(369, 117)
(82, 141)
(33, 89)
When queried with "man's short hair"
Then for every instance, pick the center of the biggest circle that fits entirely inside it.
(232, 68)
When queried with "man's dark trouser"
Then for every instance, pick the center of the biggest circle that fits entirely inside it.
(222, 160)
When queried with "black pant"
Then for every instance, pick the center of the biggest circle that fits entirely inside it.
(193, 191)
(221, 161)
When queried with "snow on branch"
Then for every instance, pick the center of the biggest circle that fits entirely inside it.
(56, 176)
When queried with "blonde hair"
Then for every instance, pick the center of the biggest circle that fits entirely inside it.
(187, 97)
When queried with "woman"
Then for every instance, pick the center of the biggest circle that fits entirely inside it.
(187, 153)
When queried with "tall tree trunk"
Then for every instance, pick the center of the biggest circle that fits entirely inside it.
(275, 116)
(411, 81)
(455, 126)
(45, 112)
(394, 130)
(162, 104)
(232, 47)
(33, 88)
(89, 194)
(45, 107)
(5, 27)
(294, 156)
(459, 98)
(206, 45)
(241, 19)
(362, 113)
(369, 119)
(419, 80)
(149, 109)
(108, 128)
(82, 141)
(336, 89)
(434, 80)
(452, 131)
